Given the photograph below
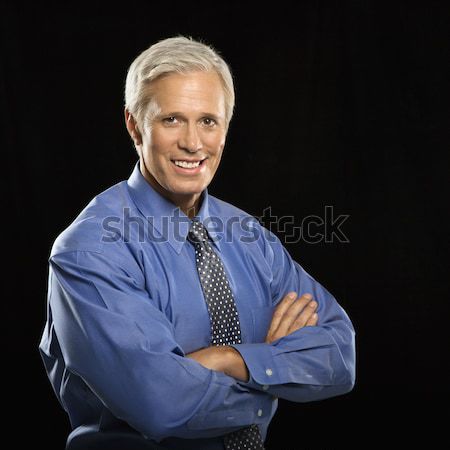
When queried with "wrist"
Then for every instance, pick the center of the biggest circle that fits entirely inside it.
(234, 364)
(225, 358)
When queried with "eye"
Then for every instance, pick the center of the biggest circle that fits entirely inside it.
(171, 120)
(208, 122)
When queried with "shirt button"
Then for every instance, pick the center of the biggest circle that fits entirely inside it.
(269, 372)
(259, 412)
(265, 387)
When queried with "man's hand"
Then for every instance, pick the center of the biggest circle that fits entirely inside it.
(291, 314)
(223, 359)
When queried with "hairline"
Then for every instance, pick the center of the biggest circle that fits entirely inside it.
(150, 66)
(152, 109)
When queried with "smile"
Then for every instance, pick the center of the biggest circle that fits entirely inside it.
(188, 164)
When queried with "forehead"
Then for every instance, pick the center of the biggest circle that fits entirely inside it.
(200, 90)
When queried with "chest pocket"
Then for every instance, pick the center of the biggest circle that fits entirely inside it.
(261, 318)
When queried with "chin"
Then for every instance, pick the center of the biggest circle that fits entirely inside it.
(189, 189)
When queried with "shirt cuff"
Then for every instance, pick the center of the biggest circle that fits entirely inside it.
(259, 361)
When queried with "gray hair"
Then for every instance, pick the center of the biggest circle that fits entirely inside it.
(173, 55)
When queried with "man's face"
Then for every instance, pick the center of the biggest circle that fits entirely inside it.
(182, 145)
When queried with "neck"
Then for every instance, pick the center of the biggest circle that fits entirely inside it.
(188, 203)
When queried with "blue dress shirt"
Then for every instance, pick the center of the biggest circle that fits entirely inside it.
(125, 306)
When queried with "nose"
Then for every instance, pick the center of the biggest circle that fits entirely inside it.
(190, 139)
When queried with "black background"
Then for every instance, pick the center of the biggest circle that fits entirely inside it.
(339, 103)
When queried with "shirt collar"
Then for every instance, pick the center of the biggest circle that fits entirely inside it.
(165, 217)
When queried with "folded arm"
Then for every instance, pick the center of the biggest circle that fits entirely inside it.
(124, 350)
(298, 362)
(289, 316)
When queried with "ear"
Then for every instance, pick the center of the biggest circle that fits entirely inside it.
(132, 128)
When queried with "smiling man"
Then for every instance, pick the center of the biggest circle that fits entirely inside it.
(183, 337)
(182, 141)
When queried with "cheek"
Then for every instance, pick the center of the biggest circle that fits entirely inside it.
(158, 144)
(216, 144)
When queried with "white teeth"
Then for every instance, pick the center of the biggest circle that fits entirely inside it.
(187, 165)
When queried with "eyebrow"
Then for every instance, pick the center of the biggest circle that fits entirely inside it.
(179, 113)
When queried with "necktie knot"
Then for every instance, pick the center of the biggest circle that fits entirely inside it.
(197, 232)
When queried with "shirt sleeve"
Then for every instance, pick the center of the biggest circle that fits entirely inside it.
(113, 337)
(314, 362)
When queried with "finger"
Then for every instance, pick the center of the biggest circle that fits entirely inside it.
(312, 322)
(291, 314)
(280, 310)
(303, 316)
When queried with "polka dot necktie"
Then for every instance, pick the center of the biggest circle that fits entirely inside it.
(225, 327)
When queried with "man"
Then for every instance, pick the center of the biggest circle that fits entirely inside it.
(175, 320)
